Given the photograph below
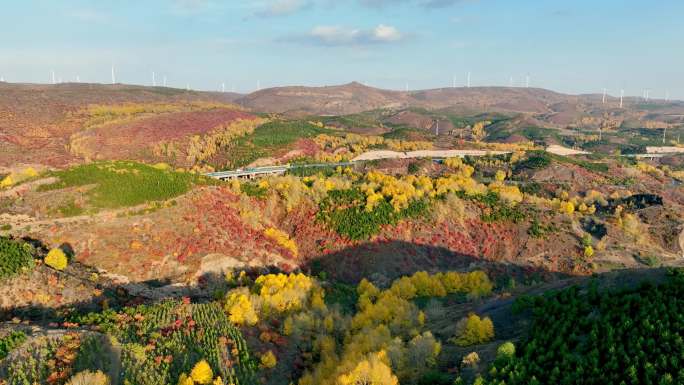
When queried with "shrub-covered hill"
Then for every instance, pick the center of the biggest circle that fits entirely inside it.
(44, 124)
(534, 211)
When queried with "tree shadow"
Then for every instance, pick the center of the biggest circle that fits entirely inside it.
(380, 262)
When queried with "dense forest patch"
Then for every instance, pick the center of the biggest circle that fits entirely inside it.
(590, 337)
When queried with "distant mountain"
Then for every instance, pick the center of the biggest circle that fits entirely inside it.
(39, 122)
(331, 100)
(554, 108)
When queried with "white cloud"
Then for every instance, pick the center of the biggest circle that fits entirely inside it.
(338, 36)
(386, 33)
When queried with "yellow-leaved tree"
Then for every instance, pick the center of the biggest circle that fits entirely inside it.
(201, 373)
(268, 360)
(56, 259)
(240, 307)
(374, 370)
(473, 330)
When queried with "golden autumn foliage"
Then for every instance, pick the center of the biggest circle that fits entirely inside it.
(567, 208)
(281, 293)
(473, 330)
(509, 194)
(478, 130)
(273, 294)
(373, 370)
(588, 251)
(201, 373)
(240, 307)
(344, 148)
(104, 113)
(282, 239)
(386, 321)
(184, 379)
(650, 169)
(268, 360)
(56, 259)
(399, 191)
(202, 148)
(18, 177)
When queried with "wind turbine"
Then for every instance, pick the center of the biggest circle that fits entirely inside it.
(53, 77)
(604, 96)
(468, 84)
(113, 75)
(453, 83)
(527, 81)
(154, 79)
(164, 80)
(223, 87)
(78, 79)
(510, 81)
(622, 95)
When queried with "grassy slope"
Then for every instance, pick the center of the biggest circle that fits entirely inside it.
(122, 183)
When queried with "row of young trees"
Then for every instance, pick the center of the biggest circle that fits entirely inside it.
(628, 337)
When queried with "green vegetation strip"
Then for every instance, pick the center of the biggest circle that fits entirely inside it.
(270, 137)
(15, 258)
(11, 341)
(344, 211)
(541, 159)
(123, 183)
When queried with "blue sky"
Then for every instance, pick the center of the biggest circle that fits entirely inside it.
(578, 46)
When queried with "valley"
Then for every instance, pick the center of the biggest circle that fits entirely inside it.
(314, 235)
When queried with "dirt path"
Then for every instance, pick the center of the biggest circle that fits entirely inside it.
(387, 154)
(19, 221)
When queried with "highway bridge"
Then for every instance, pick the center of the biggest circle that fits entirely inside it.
(257, 172)
(438, 155)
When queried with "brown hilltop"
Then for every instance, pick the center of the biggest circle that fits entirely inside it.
(556, 108)
(330, 100)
